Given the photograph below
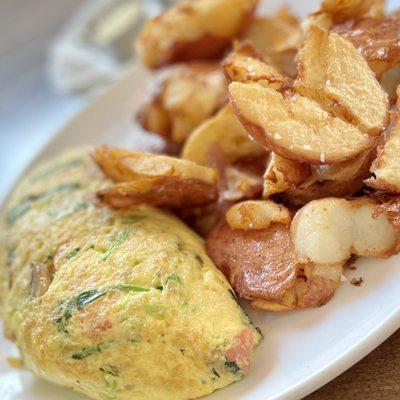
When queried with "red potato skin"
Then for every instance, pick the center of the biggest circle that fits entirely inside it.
(259, 264)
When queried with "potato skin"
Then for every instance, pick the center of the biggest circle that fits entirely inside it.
(100, 300)
(260, 264)
(193, 30)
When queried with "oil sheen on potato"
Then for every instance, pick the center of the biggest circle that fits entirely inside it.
(117, 305)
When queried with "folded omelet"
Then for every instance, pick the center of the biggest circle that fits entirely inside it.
(115, 304)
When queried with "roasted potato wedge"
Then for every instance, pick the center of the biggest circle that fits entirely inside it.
(294, 126)
(245, 65)
(277, 38)
(171, 192)
(154, 179)
(377, 39)
(261, 266)
(282, 174)
(257, 214)
(190, 30)
(334, 12)
(386, 167)
(330, 230)
(334, 74)
(182, 97)
(225, 131)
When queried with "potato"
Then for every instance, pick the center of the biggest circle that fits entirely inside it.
(257, 214)
(261, 266)
(182, 97)
(344, 10)
(329, 231)
(335, 75)
(386, 167)
(225, 131)
(282, 173)
(391, 209)
(172, 192)
(389, 81)
(190, 30)
(338, 11)
(245, 65)
(277, 38)
(154, 179)
(239, 185)
(377, 39)
(294, 126)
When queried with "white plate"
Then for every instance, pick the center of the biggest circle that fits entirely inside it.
(302, 350)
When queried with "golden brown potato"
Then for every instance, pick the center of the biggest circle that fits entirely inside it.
(338, 11)
(335, 75)
(245, 65)
(277, 38)
(377, 39)
(391, 209)
(172, 192)
(154, 179)
(190, 30)
(294, 126)
(386, 167)
(261, 266)
(282, 173)
(225, 131)
(182, 97)
(330, 230)
(344, 10)
(341, 180)
(257, 214)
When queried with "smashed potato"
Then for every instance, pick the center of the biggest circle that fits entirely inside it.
(386, 167)
(182, 97)
(261, 266)
(334, 74)
(154, 179)
(377, 39)
(282, 173)
(245, 65)
(329, 231)
(257, 214)
(225, 131)
(294, 126)
(277, 38)
(196, 29)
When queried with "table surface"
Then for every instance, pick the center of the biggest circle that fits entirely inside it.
(31, 111)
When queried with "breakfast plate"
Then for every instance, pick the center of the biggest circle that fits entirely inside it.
(301, 351)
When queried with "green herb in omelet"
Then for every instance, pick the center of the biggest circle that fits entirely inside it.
(25, 204)
(57, 168)
(232, 367)
(73, 253)
(132, 219)
(87, 352)
(122, 238)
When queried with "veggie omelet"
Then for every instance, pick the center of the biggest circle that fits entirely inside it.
(115, 304)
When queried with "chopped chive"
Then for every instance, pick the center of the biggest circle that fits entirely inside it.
(73, 253)
(232, 367)
(85, 298)
(133, 288)
(56, 168)
(87, 352)
(132, 219)
(214, 371)
(123, 237)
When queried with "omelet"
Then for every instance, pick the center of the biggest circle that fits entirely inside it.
(114, 304)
